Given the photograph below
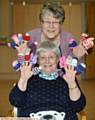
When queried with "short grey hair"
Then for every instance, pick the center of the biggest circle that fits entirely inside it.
(48, 46)
(55, 8)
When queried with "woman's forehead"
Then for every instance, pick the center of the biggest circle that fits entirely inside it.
(49, 15)
(47, 53)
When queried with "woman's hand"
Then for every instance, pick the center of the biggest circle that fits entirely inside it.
(26, 73)
(85, 44)
(69, 76)
(86, 41)
(74, 91)
(23, 48)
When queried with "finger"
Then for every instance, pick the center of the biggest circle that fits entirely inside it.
(90, 39)
(30, 65)
(26, 63)
(86, 52)
(69, 67)
(66, 68)
(89, 46)
(75, 71)
(84, 34)
(72, 67)
(91, 43)
(22, 64)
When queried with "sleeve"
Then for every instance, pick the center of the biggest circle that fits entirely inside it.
(17, 97)
(35, 35)
(66, 43)
(79, 105)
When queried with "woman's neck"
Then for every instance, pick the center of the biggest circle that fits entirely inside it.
(55, 40)
(50, 76)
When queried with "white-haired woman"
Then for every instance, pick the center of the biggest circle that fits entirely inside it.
(47, 91)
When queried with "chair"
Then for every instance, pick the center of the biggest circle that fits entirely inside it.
(83, 115)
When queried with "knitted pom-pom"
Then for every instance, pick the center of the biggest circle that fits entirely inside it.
(26, 37)
(72, 43)
(16, 65)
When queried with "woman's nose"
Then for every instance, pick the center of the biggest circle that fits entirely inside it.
(47, 60)
(51, 24)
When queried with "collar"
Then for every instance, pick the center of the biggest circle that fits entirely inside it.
(51, 76)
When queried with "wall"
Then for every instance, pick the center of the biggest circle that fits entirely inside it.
(90, 61)
(27, 17)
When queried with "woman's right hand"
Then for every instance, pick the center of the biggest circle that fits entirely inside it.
(26, 73)
(23, 48)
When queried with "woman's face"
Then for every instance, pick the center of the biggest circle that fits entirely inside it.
(48, 61)
(51, 26)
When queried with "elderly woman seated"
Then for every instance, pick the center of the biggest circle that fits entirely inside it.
(47, 95)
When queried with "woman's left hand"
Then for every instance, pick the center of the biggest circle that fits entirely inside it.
(74, 91)
(85, 44)
(86, 41)
(70, 74)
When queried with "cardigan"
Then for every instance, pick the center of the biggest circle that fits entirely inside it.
(65, 37)
(43, 95)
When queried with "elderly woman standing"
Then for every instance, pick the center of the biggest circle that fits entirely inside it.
(52, 16)
(47, 91)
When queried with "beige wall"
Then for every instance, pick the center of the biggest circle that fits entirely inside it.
(5, 17)
(27, 17)
(24, 19)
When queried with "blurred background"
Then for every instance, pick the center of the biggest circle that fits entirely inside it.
(20, 16)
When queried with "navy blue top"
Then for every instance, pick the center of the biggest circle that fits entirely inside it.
(44, 95)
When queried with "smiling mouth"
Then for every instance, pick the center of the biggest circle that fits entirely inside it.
(47, 65)
(51, 31)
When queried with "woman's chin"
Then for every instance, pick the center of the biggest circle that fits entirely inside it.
(50, 36)
(47, 71)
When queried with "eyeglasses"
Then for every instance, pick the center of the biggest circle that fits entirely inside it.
(43, 58)
(51, 22)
